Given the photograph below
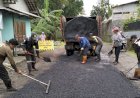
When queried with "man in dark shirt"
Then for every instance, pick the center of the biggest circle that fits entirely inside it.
(6, 51)
(30, 53)
(136, 45)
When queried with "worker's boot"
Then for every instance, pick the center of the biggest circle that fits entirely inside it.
(9, 86)
(84, 60)
(98, 58)
(33, 67)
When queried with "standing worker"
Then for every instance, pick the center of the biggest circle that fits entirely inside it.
(136, 45)
(30, 53)
(43, 36)
(84, 45)
(37, 38)
(98, 46)
(117, 43)
(6, 51)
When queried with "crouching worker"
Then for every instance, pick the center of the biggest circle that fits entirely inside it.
(85, 46)
(136, 46)
(30, 53)
(6, 51)
(98, 43)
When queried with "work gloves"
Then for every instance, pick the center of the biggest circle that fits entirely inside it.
(82, 49)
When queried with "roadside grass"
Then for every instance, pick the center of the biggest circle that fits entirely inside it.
(131, 53)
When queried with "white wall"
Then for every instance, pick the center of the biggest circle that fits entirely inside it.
(1, 3)
(132, 8)
(20, 5)
(0, 37)
(125, 8)
(1, 20)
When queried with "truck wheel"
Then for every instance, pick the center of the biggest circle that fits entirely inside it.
(69, 52)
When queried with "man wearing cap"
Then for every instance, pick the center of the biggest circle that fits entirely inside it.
(98, 46)
(117, 43)
(6, 51)
(84, 45)
(136, 45)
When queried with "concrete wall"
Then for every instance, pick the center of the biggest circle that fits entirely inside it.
(28, 27)
(8, 28)
(0, 37)
(1, 25)
(7, 31)
(107, 31)
(131, 8)
(1, 3)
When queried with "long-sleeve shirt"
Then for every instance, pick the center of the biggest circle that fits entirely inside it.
(117, 38)
(84, 42)
(29, 43)
(136, 45)
(5, 51)
(98, 40)
(43, 37)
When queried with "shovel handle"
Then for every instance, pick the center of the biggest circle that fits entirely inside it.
(34, 79)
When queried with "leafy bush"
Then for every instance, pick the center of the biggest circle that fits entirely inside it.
(128, 21)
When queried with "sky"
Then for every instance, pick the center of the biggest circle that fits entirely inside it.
(89, 3)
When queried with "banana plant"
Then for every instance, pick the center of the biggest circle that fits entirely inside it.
(49, 21)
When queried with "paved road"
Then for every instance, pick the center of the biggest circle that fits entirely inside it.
(70, 79)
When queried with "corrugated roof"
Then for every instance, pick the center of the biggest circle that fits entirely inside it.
(134, 2)
(32, 6)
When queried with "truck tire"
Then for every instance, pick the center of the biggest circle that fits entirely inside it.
(69, 52)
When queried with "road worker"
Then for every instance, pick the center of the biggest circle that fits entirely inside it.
(136, 45)
(6, 51)
(98, 46)
(117, 43)
(30, 53)
(43, 36)
(85, 46)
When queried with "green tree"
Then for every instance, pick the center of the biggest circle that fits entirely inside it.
(49, 23)
(70, 7)
(40, 3)
(104, 9)
(74, 8)
(51, 11)
(57, 4)
(138, 9)
(95, 11)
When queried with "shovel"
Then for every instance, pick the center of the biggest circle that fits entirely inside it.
(46, 59)
(110, 52)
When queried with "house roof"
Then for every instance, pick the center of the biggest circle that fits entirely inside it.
(18, 12)
(32, 6)
(134, 2)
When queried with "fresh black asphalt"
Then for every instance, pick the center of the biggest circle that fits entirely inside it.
(71, 79)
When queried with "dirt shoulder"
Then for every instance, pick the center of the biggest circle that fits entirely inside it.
(127, 62)
(19, 81)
